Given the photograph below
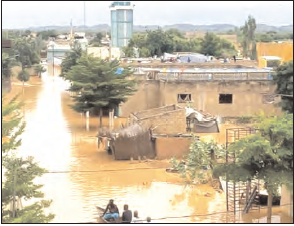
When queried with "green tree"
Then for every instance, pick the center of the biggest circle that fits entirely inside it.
(23, 76)
(98, 84)
(12, 125)
(283, 78)
(248, 38)
(129, 51)
(7, 63)
(96, 41)
(144, 52)
(26, 52)
(159, 42)
(266, 156)
(210, 45)
(46, 34)
(39, 69)
(213, 45)
(71, 59)
(202, 155)
(19, 172)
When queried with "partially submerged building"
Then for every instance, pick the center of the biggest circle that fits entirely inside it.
(161, 132)
(226, 92)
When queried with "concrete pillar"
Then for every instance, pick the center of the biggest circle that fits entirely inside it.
(287, 201)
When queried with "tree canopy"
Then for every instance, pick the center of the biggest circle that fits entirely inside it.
(98, 84)
(283, 78)
(157, 42)
(202, 155)
(19, 172)
(71, 58)
(266, 155)
(248, 38)
(39, 69)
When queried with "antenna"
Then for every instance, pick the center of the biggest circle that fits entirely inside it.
(84, 15)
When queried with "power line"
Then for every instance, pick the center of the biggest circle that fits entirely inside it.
(210, 214)
(110, 170)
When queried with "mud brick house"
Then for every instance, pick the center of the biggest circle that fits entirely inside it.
(222, 93)
(160, 133)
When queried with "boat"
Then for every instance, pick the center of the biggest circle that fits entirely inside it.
(100, 213)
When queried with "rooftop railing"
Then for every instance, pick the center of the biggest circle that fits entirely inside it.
(186, 76)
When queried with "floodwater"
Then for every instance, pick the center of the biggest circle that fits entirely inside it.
(65, 144)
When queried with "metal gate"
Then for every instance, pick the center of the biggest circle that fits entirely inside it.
(238, 193)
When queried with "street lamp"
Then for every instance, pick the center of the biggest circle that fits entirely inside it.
(52, 45)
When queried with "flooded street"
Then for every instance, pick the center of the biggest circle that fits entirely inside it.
(78, 180)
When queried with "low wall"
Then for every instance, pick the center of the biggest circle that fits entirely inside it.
(168, 147)
(287, 201)
(212, 64)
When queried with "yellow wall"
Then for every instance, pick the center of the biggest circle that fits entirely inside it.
(283, 50)
(103, 52)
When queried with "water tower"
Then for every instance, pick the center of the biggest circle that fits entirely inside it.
(121, 23)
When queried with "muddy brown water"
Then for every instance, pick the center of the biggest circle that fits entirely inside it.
(61, 141)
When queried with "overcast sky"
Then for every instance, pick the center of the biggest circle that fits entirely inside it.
(46, 13)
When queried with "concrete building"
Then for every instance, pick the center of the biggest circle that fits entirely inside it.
(56, 51)
(235, 94)
(121, 23)
(283, 50)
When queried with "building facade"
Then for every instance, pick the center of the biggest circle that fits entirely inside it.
(121, 23)
(283, 50)
(221, 98)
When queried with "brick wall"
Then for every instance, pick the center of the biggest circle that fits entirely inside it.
(168, 147)
(172, 122)
(155, 111)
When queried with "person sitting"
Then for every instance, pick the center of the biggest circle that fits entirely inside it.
(136, 218)
(113, 211)
(127, 215)
(148, 219)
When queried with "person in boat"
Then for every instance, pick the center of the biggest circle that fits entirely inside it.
(113, 211)
(127, 215)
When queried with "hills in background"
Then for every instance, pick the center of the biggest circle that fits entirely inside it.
(181, 27)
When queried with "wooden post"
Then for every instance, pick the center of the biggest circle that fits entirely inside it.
(269, 207)
(100, 117)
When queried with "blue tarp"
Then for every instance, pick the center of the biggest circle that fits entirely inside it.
(119, 71)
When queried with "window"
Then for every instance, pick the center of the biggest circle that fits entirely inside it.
(225, 98)
(182, 98)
